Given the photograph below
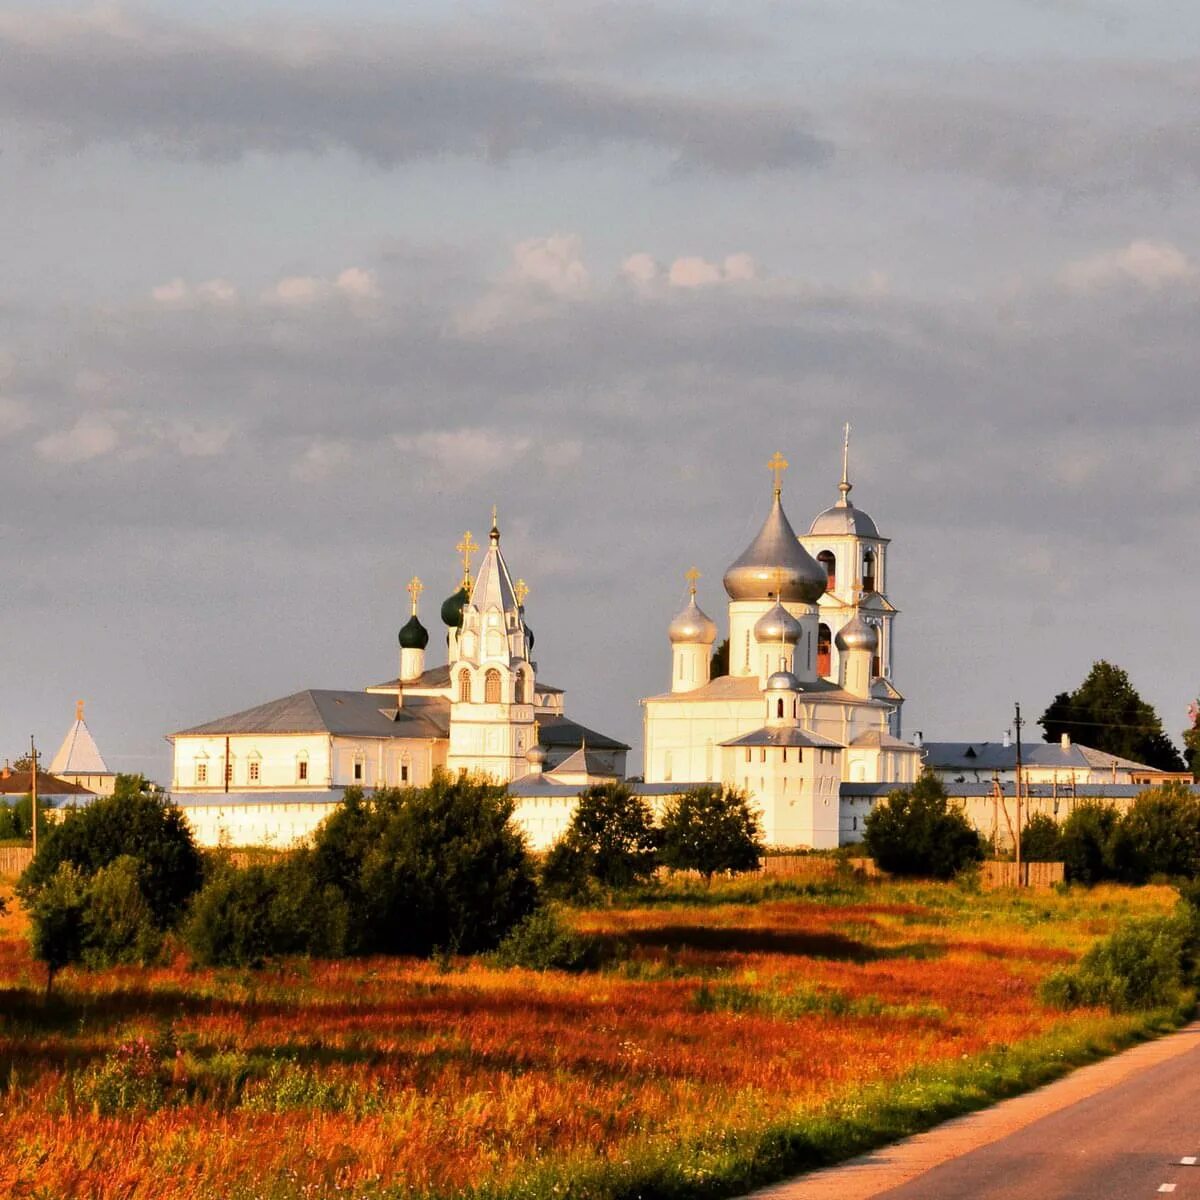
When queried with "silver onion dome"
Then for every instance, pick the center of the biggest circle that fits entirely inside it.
(843, 519)
(535, 755)
(783, 681)
(777, 626)
(692, 626)
(857, 635)
(775, 565)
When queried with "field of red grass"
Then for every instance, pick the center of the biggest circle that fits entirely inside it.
(399, 1077)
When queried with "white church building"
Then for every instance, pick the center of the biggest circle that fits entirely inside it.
(808, 701)
(270, 774)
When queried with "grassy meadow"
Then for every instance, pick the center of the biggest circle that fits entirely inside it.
(740, 1034)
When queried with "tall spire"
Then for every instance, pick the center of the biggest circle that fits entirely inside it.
(845, 486)
(494, 533)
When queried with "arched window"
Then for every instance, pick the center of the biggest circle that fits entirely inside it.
(826, 559)
(491, 687)
(779, 708)
(464, 686)
(824, 651)
(869, 571)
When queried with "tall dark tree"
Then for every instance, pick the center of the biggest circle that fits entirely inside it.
(720, 661)
(1106, 712)
(611, 841)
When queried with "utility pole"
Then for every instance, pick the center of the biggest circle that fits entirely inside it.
(1018, 723)
(33, 756)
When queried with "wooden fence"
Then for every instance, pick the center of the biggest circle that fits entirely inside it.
(1033, 874)
(14, 859)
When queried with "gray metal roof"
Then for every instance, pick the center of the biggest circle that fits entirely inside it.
(995, 756)
(1037, 791)
(747, 687)
(885, 741)
(786, 735)
(435, 677)
(584, 762)
(217, 799)
(538, 785)
(557, 732)
(843, 519)
(349, 714)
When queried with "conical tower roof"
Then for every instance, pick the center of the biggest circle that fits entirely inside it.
(78, 754)
(493, 585)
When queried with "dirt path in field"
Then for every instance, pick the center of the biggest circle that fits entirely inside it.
(882, 1171)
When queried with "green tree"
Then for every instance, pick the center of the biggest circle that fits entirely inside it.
(1106, 712)
(16, 818)
(719, 664)
(120, 928)
(136, 820)
(1191, 739)
(916, 832)
(611, 840)
(711, 829)
(1040, 839)
(438, 867)
(1085, 841)
(58, 920)
(1159, 835)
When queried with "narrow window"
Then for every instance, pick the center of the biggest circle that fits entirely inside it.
(748, 754)
(202, 772)
(253, 771)
(826, 559)
(869, 571)
(491, 687)
(358, 770)
(785, 754)
(464, 686)
(824, 650)
(229, 771)
(302, 770)
(404, 772)
(779, 707)
(762, 754)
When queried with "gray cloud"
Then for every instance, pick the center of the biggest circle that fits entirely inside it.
(388, 95)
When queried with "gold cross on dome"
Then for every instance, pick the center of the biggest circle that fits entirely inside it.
(466, 548)
(414, 589)
(691, 576)
(521, 588)
(777, 466)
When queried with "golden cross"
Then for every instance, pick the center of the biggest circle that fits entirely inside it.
(521, 588)
(494, 514)
(466, 548)
(691, 576)
(777, 466)
(414, 589)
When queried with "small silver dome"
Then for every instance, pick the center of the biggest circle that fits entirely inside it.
(844, 519)
(775, 565)
(535, 755)
(783, 681)
(692, 627)
(857, 635)
(776, 626)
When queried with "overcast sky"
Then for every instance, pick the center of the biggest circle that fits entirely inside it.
(293, 293)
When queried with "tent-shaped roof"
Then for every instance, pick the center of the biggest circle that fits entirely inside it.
(78, 754)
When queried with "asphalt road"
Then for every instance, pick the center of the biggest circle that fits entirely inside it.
(1132, 1140)
(1121, 1129)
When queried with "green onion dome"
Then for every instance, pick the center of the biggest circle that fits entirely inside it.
(452, 609)
(414, 635)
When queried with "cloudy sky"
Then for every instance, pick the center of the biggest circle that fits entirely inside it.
(294, 292)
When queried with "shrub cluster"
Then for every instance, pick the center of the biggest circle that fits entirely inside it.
(1158, 836)
(916, 832)
(612, 840)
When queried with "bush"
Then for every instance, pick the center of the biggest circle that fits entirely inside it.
(230, 920)
(709, 830)
(915, 832)
(1159, 835)
(139, 821)
(1143, 965)
(1085, 842)
(611, 841)
(544, 942)
(1040, 839)
(58, 920)
(438, 867)
(120, 925)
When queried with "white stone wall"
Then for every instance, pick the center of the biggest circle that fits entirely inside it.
(277, 825)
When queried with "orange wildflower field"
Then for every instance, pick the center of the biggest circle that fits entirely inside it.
(731, 1022)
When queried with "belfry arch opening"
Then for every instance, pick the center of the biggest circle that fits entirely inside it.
(869, 571)
(464, 686)
(824, 650)
(491, 687)
(827, 560)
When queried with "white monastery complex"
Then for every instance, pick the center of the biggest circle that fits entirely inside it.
(802, 713)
